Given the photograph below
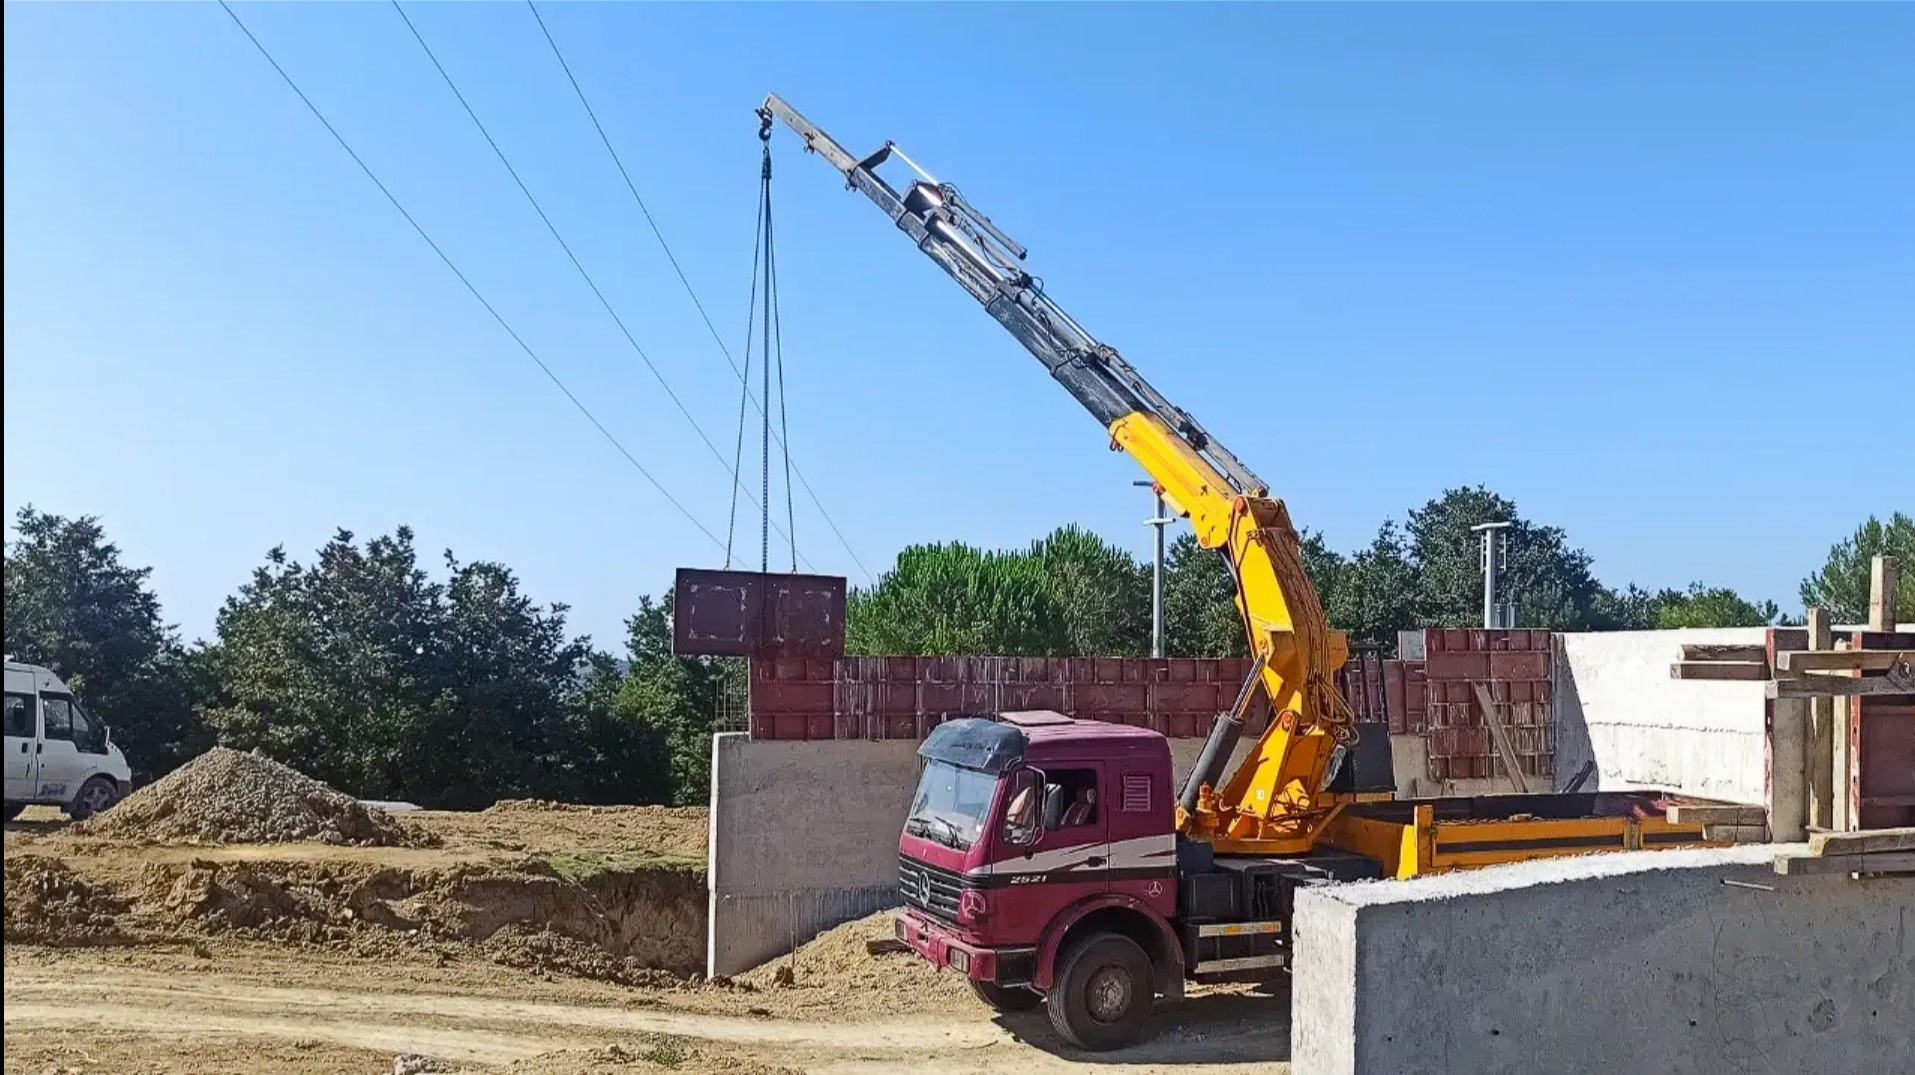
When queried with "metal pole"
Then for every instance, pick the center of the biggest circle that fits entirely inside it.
(1492, 538)
(1158, 521)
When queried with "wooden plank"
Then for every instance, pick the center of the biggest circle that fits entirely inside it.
(1706, 651)
(1717, 814)
(1868, 841)
(1821, 756)
(1837, 687)
(1881, 593)
(1788, 750)
(1736, 670)
(1841, 660)
(1796, 863)
(1736, 834)
(1500, 734)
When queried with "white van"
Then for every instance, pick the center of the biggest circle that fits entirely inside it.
(56, 753)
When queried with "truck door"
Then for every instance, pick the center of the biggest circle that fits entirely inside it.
(62, 766)
(1075, 849)
(22, 736)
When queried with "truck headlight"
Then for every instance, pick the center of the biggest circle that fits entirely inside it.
(960, 961)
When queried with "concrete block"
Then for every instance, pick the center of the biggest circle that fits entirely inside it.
(1615, 704)
(1690, 962)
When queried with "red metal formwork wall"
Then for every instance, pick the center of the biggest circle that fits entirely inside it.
(1882, 743)
(905, 697)
(1513, 664)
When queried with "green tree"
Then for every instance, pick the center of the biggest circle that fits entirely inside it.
(335, 668)
(1375, 594)
(1706, 606)
(947, 599)
(1842, 584)
(73, 605)
(1552, 582)
(365, 672)
(1631, 608)
(1101, 591)
(1200, 611)
(672, 700)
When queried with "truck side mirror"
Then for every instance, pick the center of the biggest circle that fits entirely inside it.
(1020, 817)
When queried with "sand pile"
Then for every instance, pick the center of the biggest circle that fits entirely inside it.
(231, 797)
(843, 972)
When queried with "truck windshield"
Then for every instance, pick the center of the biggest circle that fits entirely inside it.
(950, 805)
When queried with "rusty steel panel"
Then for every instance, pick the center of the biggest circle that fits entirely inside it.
(751, 614)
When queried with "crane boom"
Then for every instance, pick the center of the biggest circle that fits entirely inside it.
(1275, 801)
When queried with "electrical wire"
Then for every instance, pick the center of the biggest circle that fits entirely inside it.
(659, 234)
(563, 245)
(463, 279)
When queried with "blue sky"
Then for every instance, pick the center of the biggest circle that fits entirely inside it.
(1645, 269)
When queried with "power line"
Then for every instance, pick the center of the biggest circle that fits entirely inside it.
(683, 279)
(563, 245)
(463, 279)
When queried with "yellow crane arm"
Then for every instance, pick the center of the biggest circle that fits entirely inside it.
(1274, 802)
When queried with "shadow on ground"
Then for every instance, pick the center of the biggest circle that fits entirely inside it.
(1227, 1028)
(38, 825)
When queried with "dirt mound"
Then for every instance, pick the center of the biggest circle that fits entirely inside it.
(550, 952)
(840, 967)
(537, 826)
(47, 904)
(231, 797)
(638, 928)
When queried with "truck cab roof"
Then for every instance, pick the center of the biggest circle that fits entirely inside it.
(1001, 741)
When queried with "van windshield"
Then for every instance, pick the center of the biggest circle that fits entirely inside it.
(951, 803)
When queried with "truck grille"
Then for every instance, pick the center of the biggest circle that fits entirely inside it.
(928, 888)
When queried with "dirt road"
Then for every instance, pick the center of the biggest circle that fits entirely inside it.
(531, 938)
(101, 1011)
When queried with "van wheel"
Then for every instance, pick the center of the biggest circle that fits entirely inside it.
(96, 795)
(1103, 992)
(1006, 998)
(13, 810)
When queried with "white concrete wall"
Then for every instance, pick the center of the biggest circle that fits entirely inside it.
(1630, 962)
(1613, 701)
(804, 835)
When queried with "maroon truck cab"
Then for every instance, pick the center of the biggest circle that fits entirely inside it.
(1039, 859)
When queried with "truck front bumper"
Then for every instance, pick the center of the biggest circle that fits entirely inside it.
(944, 948)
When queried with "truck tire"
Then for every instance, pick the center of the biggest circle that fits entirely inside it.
(1006, 998)
(95, 796)
(1102, 993)
(14, 809)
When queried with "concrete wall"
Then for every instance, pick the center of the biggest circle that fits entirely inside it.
(1614, 702)
(1635, 962)
(804, 835)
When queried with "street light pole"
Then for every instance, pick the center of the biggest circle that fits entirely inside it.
(1157, 628)
(1495, 549)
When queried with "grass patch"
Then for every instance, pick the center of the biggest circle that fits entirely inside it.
(666, 1054)
(579, 866)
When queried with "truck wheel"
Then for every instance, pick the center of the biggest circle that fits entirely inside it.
(95, 796)
(13, 810)
(1006, 998)
(1103, 992)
